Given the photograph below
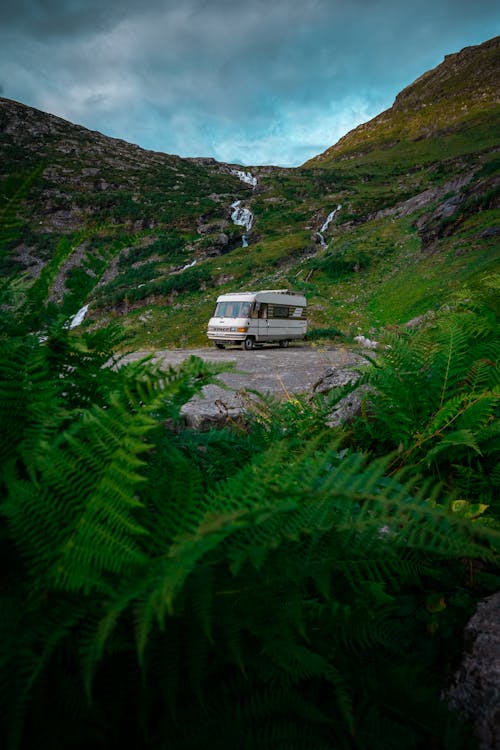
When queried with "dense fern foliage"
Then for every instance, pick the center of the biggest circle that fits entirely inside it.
(275, 586)
(434, 399)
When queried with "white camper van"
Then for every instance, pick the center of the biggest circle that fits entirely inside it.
(249, 318)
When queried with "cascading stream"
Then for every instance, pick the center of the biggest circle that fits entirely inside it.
(78, 319)
(243, 217)
(329, 218)
(245, 177)
(325, 226)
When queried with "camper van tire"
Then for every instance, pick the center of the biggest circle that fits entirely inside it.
(219, 346)
(248, 343)
(283, 343)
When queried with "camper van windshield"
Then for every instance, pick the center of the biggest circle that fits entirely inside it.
(232, 309)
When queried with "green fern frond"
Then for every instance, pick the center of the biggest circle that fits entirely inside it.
(466, 411)
(451, 441)
(166, 389)
(447, 367)
(485, 372)
(481, 411)
(93, 468)
(77, 521)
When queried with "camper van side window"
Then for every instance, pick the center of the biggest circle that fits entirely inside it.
(263, 310)
(278, 311)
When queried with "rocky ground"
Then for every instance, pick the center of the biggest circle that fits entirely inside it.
(270, 369)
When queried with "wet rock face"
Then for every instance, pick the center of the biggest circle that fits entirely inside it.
(475, 692)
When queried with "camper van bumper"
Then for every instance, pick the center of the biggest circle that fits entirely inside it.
(226, 337)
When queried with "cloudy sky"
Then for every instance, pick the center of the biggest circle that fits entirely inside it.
(255, 82)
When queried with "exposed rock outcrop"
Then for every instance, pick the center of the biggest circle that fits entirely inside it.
(455, 209)
(475, 691)
(335, 377)
(426, 198)
(218, 406)
(349, 407)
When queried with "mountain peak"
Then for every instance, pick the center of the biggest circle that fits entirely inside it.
(465, 83)
(473, 71)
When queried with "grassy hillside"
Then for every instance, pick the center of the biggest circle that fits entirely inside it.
(149, 241)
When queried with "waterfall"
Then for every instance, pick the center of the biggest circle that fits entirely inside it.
(245, 177)
(77, 319)
(329, 218)
(243, 217)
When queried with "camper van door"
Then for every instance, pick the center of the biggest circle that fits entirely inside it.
(263, 330)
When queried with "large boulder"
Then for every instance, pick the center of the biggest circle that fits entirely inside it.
(215, 407)
(335, 377)
(475, 692)
(349, 407)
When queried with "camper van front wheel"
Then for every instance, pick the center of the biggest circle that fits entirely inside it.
(220, 346)
(248, 343)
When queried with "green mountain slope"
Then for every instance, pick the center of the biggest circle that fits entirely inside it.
(149, 239)
(450, 100)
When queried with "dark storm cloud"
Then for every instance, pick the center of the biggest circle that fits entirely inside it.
(248, 81)
(53, 18)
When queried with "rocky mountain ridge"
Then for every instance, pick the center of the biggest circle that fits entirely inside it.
(84, 162)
